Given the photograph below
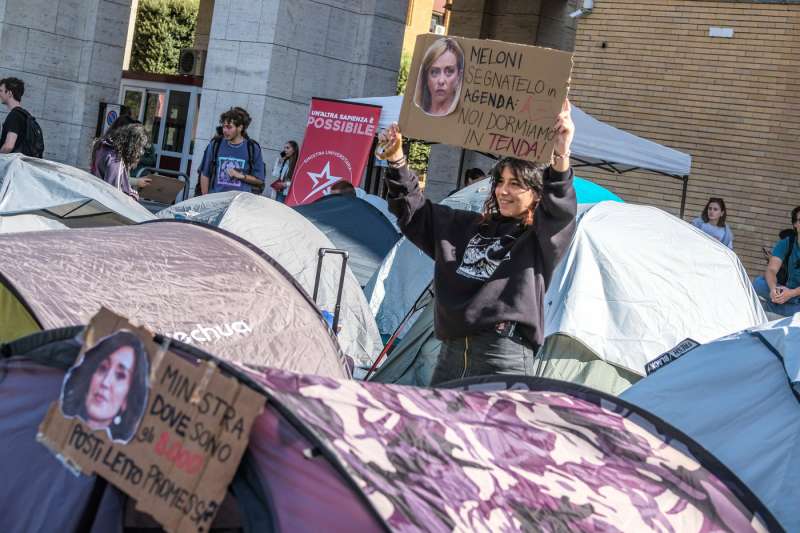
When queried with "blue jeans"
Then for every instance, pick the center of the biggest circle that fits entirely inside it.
(786, 309)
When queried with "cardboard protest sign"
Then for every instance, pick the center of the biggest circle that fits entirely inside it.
(489, 96)
(166, 431)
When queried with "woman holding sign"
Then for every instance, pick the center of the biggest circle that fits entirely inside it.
(491, 269)
(107, 389)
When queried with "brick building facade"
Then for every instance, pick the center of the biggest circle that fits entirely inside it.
(651, 67)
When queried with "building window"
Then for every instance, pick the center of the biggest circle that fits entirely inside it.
(437, 20)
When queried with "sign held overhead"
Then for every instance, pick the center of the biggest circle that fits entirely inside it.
(489, 96)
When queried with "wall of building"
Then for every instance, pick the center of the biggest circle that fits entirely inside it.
(651, 68)
(536, 22)
(69, 54)
(272, 56)
(418, 21)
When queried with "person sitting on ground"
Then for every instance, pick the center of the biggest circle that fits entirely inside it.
(712, 222)
(116, 154)
(491, 270)
(779, 287)
(344, 188)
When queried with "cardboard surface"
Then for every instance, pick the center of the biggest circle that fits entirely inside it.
(186, 440)
(162, 189)
(505, 101)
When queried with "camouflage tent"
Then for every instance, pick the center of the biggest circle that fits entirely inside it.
(336, 455)
(739, 397)
(194, 283)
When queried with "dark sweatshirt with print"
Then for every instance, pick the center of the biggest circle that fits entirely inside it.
(487, 271)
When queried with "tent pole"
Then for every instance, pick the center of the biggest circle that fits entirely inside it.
(460, 168)
(683, 194)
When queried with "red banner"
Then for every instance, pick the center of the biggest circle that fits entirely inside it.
(335, 148)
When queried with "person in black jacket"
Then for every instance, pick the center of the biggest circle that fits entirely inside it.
(491, 269)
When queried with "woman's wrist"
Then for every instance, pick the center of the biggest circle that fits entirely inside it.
(397, 162)
(560, 161)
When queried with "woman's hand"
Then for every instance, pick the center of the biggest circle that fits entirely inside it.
(565, 131)
(390, 144)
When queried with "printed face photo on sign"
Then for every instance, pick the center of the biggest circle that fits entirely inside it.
(107, 387)
(440, 78)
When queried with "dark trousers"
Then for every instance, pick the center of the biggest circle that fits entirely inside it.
(484, 354)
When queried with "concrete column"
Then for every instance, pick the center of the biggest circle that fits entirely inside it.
(69, 53)
(202, 31)
(272, 56)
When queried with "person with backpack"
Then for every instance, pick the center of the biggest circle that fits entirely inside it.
(21, 133)
(233, 162)
(779, 287)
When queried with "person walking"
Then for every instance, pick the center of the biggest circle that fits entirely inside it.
(492, 268)
(20, 133)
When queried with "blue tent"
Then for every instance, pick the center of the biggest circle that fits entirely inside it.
(738, 398)
(354, 225)
(591, 193)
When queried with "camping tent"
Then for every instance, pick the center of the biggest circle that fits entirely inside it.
(596, 144)
(738, 398)
(294, 243)
(191, 282)
(352, 224)
(634, 282)
(21, 223)
(69, 195)
(335, 455)
(406, 271)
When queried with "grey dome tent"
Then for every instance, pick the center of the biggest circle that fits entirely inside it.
(191, 282)
(739, 398)
(634, 282)
(352, 224)
(294, 243)
(335, 455)
(71, 196)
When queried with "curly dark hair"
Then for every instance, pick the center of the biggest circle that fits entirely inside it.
(129, 142)
(529, 173)
(78, 379)
(237, 116)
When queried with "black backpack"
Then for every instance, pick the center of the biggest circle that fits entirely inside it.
(33, 143)
(252, 146)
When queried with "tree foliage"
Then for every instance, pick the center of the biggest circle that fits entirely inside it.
(418, 152)
(163, 27)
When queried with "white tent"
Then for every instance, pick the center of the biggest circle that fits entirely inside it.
(293, 242)
(67, 194)
(738, 398)
(634, 283)
(595, 142)
(23, 223)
